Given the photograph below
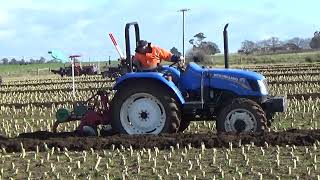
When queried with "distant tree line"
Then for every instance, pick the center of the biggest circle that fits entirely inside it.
(275, 45)
(41, 60)
(201, 50)
(315, 41)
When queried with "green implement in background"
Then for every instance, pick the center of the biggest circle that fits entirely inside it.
(56, 54)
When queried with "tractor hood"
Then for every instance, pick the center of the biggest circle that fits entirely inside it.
(240, 82)
(236, 73)
(224, 73)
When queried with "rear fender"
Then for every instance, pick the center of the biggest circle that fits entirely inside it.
(132, 77)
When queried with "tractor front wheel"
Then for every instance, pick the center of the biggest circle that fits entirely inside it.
(242, 115)
(145, 107)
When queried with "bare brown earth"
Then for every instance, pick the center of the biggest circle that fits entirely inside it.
(73, 142)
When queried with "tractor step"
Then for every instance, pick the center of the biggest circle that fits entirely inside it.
(192, 105)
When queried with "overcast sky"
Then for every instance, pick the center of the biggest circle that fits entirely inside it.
(30, 28)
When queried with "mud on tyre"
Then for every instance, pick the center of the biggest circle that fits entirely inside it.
(145, 107)
(242, 115)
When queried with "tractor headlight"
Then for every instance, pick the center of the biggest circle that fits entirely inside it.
(263, 87)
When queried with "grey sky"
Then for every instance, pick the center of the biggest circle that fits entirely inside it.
(30, 28)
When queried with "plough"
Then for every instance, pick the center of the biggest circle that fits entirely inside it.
(95, 111)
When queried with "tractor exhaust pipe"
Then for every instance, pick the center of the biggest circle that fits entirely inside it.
(226, 47)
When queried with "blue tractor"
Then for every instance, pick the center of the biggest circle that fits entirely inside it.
(165, 101)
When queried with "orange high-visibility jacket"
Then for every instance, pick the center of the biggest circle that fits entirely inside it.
(151, 60)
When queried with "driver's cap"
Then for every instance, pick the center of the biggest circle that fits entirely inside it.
(141, 44)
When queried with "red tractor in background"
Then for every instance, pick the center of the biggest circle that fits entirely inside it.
(114, 72)
(78, 69)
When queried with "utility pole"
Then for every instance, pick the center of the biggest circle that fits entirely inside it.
(183, 13)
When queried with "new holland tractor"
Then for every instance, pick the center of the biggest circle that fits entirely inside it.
(165, 101)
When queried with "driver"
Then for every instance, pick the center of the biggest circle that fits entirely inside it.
(149, 56)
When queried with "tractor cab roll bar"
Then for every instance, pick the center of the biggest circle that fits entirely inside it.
(127, 38)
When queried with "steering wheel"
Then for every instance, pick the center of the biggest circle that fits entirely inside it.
(173, 64)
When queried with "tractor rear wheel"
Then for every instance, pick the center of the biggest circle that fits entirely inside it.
(242, 115)
(145, 107)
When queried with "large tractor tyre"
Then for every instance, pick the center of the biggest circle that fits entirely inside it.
(145, 107)
(242, 115)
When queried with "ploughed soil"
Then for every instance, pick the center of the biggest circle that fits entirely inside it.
(73, 142)
(50, 104)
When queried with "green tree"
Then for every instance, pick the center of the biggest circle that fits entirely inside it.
(5, 61)
(42, 60)
(273, 43)
(175, 51)
(247, 47)
(199, 39)
(13, 61)
(209, 48)
(22, 61)
(296, 41)
(201, 50)
(315, 41)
